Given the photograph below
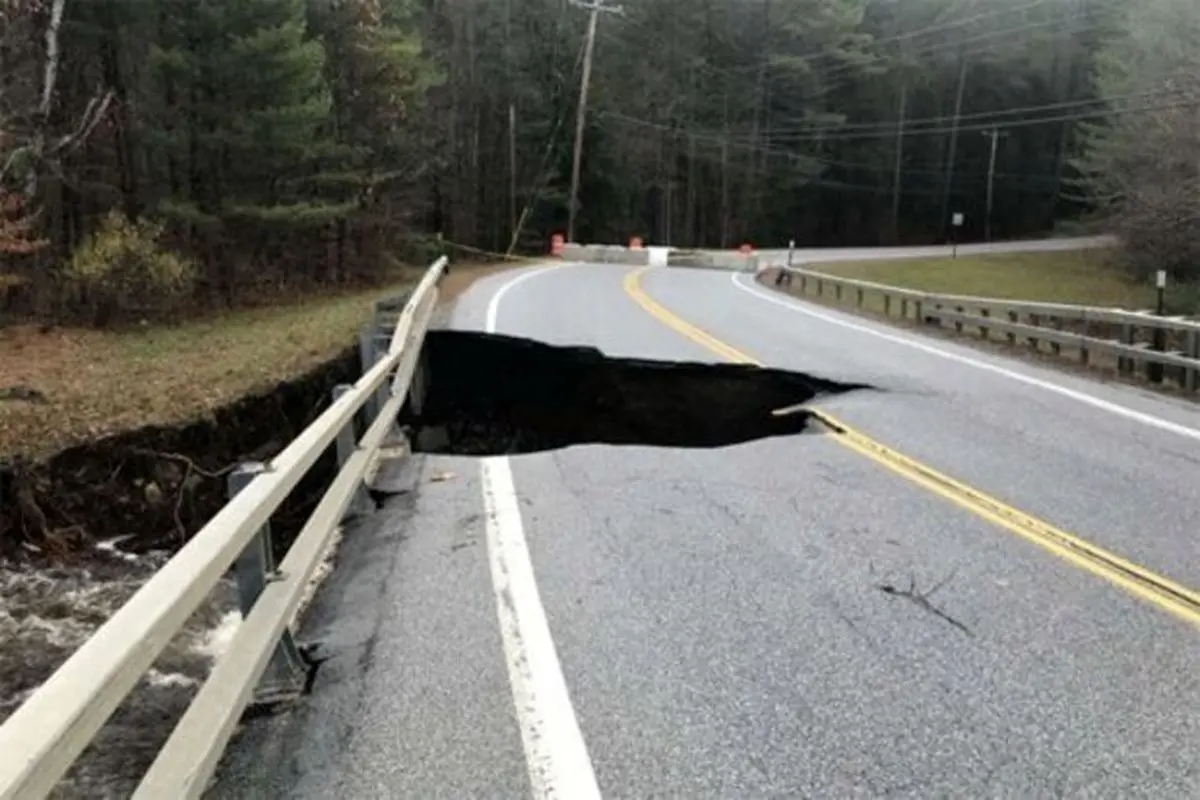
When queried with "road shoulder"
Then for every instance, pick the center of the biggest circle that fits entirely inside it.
(413, 699)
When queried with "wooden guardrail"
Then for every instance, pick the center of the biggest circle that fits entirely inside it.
(44, 737)
(1098, 336)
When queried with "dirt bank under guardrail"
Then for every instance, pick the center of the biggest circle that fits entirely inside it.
(152, 488)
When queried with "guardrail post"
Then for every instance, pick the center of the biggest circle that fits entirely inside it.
(384, 328)
(1191, 379)
(1125, 364)
(347, 443)
(958, 326)
(287, 672)
(887, 305)
(1034, 320)
(1154, 370)
(860, 298)
(1158, 343)
(1056, 347)
(904, 307)
(1014, 318)
(984, 332)
(367, 355)
(418, 388)
(837, 291)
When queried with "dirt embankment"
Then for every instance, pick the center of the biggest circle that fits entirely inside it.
(154, 487)
(151, 488)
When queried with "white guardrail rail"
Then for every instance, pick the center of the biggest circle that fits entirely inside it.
(43, 738)
(1172, 341)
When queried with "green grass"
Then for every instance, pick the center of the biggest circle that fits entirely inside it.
(102, 382)
(1085, 277)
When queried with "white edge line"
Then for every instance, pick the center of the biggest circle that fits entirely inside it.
(1082, 397)
(494, 304)
(555, 752)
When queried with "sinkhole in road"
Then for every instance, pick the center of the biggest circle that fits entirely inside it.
(489, 394)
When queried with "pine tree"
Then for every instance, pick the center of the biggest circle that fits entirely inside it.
(378, 75)
(244, 116)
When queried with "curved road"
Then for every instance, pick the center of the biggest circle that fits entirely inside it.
(795, 617)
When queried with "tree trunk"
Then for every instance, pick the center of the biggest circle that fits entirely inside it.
(42, 117)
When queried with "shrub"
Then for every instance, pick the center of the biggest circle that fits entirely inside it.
(1183, 299)
(122, 269)
(1159, 228)
(419, 250)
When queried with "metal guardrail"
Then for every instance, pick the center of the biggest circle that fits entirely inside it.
(45, 736)
(1177, 342)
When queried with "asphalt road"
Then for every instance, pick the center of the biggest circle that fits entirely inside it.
(786, 618)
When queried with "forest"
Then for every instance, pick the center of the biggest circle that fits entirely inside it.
(163, 154)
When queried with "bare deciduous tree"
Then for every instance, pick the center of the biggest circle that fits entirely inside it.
(1143, 164)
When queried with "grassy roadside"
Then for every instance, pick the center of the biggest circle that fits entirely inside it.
(91, 384)
(1085, 277)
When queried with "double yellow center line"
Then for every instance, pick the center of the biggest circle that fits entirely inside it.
(1133, 578)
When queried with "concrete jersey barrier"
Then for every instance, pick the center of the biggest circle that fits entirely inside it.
(606, 254)
(659, 256)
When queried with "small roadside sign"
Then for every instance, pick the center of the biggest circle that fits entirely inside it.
(959, 219)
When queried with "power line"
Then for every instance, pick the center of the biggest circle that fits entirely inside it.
(814, 180)
(848, 70)
(844, 71)
(938, 28)
(1100, 114)
(989, 116)
(802, 159)
(837, 75)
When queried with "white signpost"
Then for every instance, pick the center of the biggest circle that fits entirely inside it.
(1155, 371)
(957, 221)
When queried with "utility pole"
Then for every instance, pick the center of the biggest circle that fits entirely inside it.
(950, 159)
(581, 114)
(991, 184)
(898, 171)
(512, 168)
(896, 179)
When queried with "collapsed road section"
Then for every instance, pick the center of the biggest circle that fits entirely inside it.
(489, 394)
